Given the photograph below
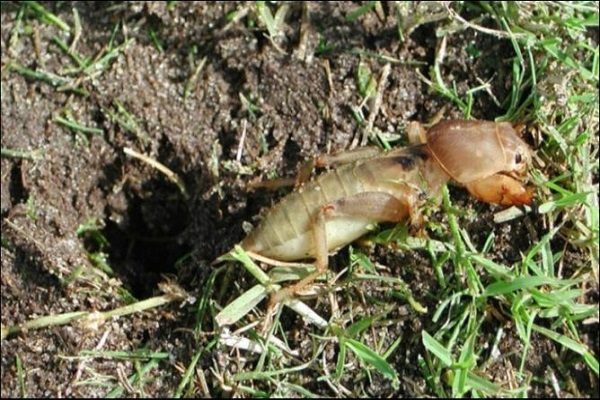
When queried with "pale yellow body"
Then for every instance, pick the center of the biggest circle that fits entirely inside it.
(341, 205)
(409, 175)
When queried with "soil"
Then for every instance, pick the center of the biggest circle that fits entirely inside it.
(256, 109)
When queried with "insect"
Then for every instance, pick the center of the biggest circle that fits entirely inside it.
(489, 159)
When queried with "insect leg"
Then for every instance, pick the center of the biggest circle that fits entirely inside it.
(373, 207)
(305, 169)
(346, 157)
(501, 189)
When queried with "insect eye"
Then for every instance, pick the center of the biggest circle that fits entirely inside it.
(518, 158)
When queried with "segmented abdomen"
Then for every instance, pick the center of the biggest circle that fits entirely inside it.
(285, 232)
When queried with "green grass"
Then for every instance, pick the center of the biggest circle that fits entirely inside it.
(85, 67)
(554, 88)
(553, 73)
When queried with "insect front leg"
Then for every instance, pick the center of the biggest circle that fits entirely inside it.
(371, 207)
(501, 189)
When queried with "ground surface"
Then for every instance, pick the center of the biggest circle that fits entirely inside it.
(82, 221)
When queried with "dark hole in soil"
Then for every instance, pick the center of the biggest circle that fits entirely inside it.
(149, 246)
(18, 193)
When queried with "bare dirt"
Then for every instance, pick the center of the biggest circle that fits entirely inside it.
(67, 180)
